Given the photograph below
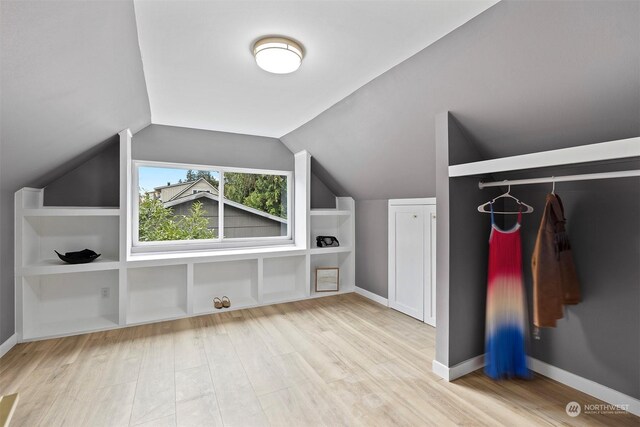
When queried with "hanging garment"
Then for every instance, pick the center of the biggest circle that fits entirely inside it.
(506, 309)
(555, 281)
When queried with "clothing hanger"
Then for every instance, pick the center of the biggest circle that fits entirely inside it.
(528, 209)
(553, 189)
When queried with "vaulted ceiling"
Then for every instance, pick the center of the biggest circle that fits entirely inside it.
(521, 76)
(200, 72)
(524, 76)
(71, 77)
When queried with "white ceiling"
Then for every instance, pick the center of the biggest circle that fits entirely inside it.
(200, 72)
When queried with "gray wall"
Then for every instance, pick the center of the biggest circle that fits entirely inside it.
(203, 147)
(94, 183)
(462, 248)
(605, 235)
(468, 250)
(372, 246)
(522, 76)
(71, 77)
(321, 196)
(599, 338)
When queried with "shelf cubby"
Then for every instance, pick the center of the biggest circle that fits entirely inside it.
(156, 293)
(41, 235)
(338, 226)
(329, 212)
(284, 278)
(237, 280)
(341, 260)
(64, 304)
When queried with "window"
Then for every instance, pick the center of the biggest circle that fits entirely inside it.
(181, 207)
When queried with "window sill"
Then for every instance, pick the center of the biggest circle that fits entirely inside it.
(180, 257)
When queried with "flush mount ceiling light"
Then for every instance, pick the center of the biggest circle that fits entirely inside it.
(277, 55)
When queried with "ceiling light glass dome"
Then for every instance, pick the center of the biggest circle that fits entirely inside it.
(278, 55)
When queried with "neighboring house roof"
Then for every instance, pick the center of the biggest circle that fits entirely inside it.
(162, 187)
(227, 202)
(214, 189)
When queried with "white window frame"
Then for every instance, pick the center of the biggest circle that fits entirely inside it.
(207, 244)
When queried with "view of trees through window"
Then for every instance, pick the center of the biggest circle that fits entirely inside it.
(183, 204)
(267, 193)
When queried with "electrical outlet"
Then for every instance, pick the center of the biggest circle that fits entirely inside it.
(105, 292)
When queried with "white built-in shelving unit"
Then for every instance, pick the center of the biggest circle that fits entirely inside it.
(339, 222)
(121, 288)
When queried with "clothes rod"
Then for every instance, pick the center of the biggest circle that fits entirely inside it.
(551, 179)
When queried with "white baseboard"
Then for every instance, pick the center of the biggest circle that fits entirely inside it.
(577, 382)
(373, 297)
(466, 367)
(440, 370)
(459, 370)
(8, 344)
(584, 385)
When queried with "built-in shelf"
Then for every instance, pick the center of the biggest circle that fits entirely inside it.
(155, 315)
(611, 150)
(64, 304)
(123, 288)
(237, 303)
(283, 296)
(330, 212)
(231, 254)
(53, 211)
(330, 250)
(237, 280)
(284, 279)
(343, 290)
(70, 327)
(55, 266)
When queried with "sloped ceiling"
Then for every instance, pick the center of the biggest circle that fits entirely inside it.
(71, 77)
(521, 77)
(201, 74)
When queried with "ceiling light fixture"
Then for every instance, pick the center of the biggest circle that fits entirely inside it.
(278, 55)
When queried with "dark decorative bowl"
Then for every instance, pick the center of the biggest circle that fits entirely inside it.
(80, 257)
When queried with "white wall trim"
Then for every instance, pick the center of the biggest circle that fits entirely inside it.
(405, 202)
(373, 297)
(8, 344)
(585, 385)
(440, 370)
(459, 370)
(574, 381)
(466, 367)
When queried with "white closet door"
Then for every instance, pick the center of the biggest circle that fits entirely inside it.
(430, 265)
(407, 259)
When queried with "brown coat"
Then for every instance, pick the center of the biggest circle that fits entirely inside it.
(555, 281)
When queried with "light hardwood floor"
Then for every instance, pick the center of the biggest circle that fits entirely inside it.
(332, 361)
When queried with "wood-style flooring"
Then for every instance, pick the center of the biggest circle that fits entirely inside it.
(332, 361)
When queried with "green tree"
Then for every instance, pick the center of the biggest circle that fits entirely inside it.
(157, 223)
(267, 193)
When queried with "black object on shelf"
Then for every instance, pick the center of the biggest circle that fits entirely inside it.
(326, 241)
(80, 257)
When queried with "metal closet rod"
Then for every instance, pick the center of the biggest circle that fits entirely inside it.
(565, 178)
